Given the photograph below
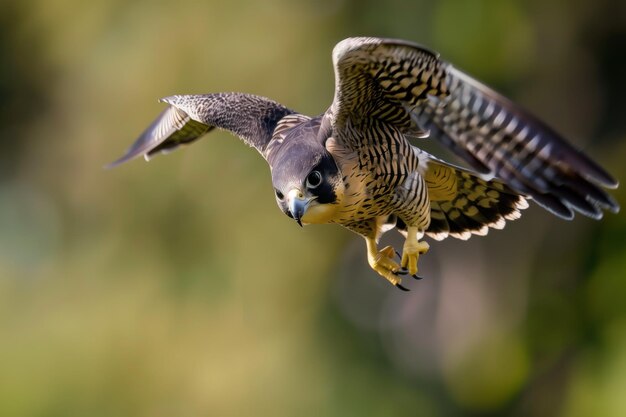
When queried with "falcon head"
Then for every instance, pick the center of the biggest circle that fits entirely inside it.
(307, 182)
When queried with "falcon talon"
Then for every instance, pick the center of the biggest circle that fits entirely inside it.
(386, 92)
(398, 285)
(417, 277)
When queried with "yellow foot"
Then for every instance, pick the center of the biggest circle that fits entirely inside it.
(383, 263)
(412, 250)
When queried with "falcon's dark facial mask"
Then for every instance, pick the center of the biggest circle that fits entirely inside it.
(306, 181)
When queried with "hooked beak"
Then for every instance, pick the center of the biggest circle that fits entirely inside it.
(297, 204)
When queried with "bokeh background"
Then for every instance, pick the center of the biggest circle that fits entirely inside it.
(177, 288)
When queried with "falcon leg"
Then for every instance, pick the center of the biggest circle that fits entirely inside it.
(412, 249)
(383, 263)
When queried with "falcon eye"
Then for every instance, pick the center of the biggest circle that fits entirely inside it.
(314, 179)
(279, 195)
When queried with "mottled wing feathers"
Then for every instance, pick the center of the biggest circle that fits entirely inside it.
(516, 147)
(379, 79)
(406, 85)
(251, 118)
(172, 128)
(463, 204)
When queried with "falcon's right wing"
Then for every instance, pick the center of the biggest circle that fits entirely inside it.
(189, 117)
(407, 86)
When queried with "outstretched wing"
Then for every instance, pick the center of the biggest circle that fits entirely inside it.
(171, 129)
(409, 87)
(189, 117)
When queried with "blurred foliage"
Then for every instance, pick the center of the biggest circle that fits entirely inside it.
(178, 289)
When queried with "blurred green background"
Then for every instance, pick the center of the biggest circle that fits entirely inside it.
(177, 288)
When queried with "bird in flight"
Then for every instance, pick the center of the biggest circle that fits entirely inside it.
(355, 164)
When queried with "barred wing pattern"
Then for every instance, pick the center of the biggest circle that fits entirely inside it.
(172, 128)
(376, 80)
(403, 84)
(516, 147)
(463, 204)
(188, 117)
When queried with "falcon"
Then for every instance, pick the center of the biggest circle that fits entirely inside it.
(355, 164)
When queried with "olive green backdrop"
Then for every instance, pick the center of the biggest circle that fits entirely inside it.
(177, 288)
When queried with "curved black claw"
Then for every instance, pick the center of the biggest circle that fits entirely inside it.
(398, 253)
(417, 277)
(403, 271)
(402, 288)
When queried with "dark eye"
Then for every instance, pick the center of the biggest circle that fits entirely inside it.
(314, 179)
(279, 195)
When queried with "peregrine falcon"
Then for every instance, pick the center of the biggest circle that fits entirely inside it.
(355, 165)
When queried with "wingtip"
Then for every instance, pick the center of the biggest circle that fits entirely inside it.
(127, 157)
(614, 206)
(114, 164)
(600, 176)
(611, 183)
(110, 165)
